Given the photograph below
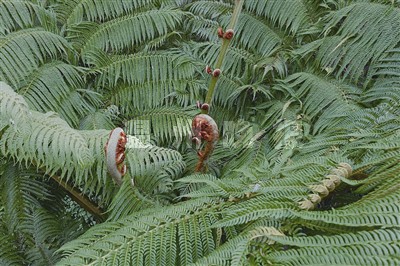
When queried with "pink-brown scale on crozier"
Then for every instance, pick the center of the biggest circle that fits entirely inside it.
(204, 128)
(208, 70)
(115, 154)
(229, 34)
(216, 73)
(205, 107)
(220, 32)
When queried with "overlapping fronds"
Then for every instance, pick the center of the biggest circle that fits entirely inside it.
(53, 87)
(289, 15)
(179, 234)
(359, 39)
(22, 51)
(140, 68)
(24, 14)
(115, 35)
(377, 247)
(76, 11)
(305, 170)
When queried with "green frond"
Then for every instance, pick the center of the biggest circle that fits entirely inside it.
(177, 234)
(210, 9)
(327, 99)
(54, 87)
(360, 39)
(167, 123)
(22, 51)
(237, 62)
(24, 14)
(76, 11)
(42, 229)
(152, 168)
(255, 35)
(288, 15)
(129, 200)
(145, 26)
(96, 120)
(134, 99)
(377, 247)
(140, 68)
(386, 87)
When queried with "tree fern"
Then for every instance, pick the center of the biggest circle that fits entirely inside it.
(305, 169)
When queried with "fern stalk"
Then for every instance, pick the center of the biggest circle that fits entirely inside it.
(81, 199)
(224, 48)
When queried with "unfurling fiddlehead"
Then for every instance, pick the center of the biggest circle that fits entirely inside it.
(204, 128)
(115, 154)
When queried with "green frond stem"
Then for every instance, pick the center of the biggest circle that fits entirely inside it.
(81, 199)
(224, 49)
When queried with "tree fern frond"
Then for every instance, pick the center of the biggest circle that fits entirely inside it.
(146, 26)
(289, 15)
(336, 99)
(96, 120)
(23, 50)
(386, 87)
(136, 98)
(140, 68)
(210, 9)
(43, 243)
(178, 234)
(79, 10)
(167, 123)
(363, 252)
(24, 14)
(255, 35)
(13, 106)
(53, 87)
(153, 168)
(237, 61)
(361, 39)
(129, 200)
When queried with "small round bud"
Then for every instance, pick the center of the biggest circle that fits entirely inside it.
(220, 32)
(208, 70)
(216, 72)
(205, 107)
(196, 140)
(229, 34)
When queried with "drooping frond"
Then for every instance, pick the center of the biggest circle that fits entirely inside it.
(179, 234)
(113, 35)
(136, 98)
(53, 87)
(167, 123)
(22, 51)
(359, 39)
(140, 68)
(153, 168)
(327, 98)
(289, 15)
(24, 14)
(377, 247)
(76, 11)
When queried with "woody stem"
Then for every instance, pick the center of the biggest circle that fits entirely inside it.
(224, 48)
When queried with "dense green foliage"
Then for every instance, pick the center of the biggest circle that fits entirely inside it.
(306, 85)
